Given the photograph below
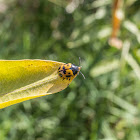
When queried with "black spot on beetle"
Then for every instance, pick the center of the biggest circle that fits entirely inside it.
(75, 72)
(64, 71)
(68, 75)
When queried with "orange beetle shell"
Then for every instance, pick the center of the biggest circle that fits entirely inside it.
(66, 71)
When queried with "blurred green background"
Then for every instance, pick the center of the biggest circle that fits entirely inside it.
(104, 106)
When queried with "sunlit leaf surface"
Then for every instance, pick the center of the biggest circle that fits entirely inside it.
(26, 79)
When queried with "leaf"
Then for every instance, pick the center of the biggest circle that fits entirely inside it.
(22, 80)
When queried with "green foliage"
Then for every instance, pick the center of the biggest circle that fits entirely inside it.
(104, 106)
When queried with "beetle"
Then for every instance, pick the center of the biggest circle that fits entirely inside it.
(66, 71)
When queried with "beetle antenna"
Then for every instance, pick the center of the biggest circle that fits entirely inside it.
(82, 75)
(79, 61)
(81, 66)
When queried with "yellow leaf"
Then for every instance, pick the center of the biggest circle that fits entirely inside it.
(22, 80)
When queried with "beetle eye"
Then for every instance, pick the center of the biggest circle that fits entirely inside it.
(74, 72)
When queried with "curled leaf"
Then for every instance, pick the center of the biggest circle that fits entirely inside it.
(22, 80)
